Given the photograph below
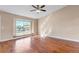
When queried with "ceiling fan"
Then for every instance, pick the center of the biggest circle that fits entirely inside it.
(38, 8)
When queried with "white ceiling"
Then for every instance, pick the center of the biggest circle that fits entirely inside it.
(24, 10)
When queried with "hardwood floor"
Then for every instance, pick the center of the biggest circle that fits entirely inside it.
(37, 44)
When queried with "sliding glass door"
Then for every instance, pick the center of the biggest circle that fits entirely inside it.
(23, 27)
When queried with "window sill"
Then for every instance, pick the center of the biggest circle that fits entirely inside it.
(17, 37)
(23, 36)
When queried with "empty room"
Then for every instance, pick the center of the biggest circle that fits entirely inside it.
(39, 28)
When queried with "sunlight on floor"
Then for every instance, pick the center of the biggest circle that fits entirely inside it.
(23, 45)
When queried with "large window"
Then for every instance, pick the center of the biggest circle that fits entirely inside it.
(23, 27)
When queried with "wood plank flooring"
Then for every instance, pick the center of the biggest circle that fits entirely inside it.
(37, 44)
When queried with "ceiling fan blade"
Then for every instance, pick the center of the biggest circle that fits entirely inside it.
(42, 6)
(43, 10)
(34, 6)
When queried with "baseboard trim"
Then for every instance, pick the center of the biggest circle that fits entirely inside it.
(64, 38)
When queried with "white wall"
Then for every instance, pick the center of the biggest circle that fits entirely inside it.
(7, 24)
(61, 24)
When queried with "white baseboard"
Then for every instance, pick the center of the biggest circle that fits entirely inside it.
(65, 38)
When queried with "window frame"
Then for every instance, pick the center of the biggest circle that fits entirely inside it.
(14, 34)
